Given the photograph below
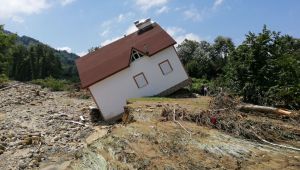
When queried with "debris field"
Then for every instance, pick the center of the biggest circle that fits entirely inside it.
(47, 130)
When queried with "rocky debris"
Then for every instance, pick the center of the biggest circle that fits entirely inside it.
(36, 123)
(21, 93)
(81, 94)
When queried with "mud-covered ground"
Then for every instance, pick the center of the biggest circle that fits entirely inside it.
(149, 141)
(40, 129)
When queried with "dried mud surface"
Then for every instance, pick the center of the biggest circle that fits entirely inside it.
(149, 141)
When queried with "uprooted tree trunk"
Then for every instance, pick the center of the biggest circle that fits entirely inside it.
(264, 109)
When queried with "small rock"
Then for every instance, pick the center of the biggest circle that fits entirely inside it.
(22, 165)
(34, 163)
(149, 110)
(67, 135)
(2, 147)
(27, 141)
(56, 138)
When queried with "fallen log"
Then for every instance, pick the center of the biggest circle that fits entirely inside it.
(264, 109)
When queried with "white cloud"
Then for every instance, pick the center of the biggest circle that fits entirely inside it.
(121, 17)
(217, 3)
(112, 24)
(105, 32)
(189, 36)
(68, 49)
(173, 31)
(17, 19)
(163, 9)
(81, 54)
(66, 2)
(147, 4)
(13, 9)
(131, 29)
(180, 34)
(118, 19)
(108, 41)
(193, 14)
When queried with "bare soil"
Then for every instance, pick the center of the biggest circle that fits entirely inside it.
(149, 141)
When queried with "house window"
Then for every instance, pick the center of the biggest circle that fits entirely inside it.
(140, 80)
(165, 67)
(135, 55)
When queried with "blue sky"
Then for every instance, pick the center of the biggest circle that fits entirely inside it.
(77, 25)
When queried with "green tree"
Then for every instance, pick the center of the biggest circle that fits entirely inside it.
(186, 50)
(221, 48)
(6, 43)
(205, 60)
(264, 69)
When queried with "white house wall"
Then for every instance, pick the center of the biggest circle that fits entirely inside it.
(111, 93)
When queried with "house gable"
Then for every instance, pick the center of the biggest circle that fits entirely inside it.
(135, 54)
(116, 56)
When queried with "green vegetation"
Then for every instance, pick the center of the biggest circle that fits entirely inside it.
(197, 84)
(25, 59)
(3, 79)
(204, 60)
(264, 69)
(53, 84)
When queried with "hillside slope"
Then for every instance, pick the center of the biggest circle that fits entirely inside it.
(67, 59)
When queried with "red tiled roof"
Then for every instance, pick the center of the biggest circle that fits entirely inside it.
(115, 57)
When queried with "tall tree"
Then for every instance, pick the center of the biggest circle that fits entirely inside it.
(6, 43)
(221, 48)
(264, 69)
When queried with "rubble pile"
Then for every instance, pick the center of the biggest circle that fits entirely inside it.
(36, 124)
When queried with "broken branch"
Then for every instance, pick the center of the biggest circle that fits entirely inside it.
(79, 123)
(265, 109)
(180, 123)
(274, 144)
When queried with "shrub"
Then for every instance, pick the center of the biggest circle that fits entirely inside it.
(3, 78)
(197, 84)
(53, 84)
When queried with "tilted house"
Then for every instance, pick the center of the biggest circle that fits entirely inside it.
(144, 63)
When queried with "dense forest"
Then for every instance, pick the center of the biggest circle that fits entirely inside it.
(24, 59)
(264, 69)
